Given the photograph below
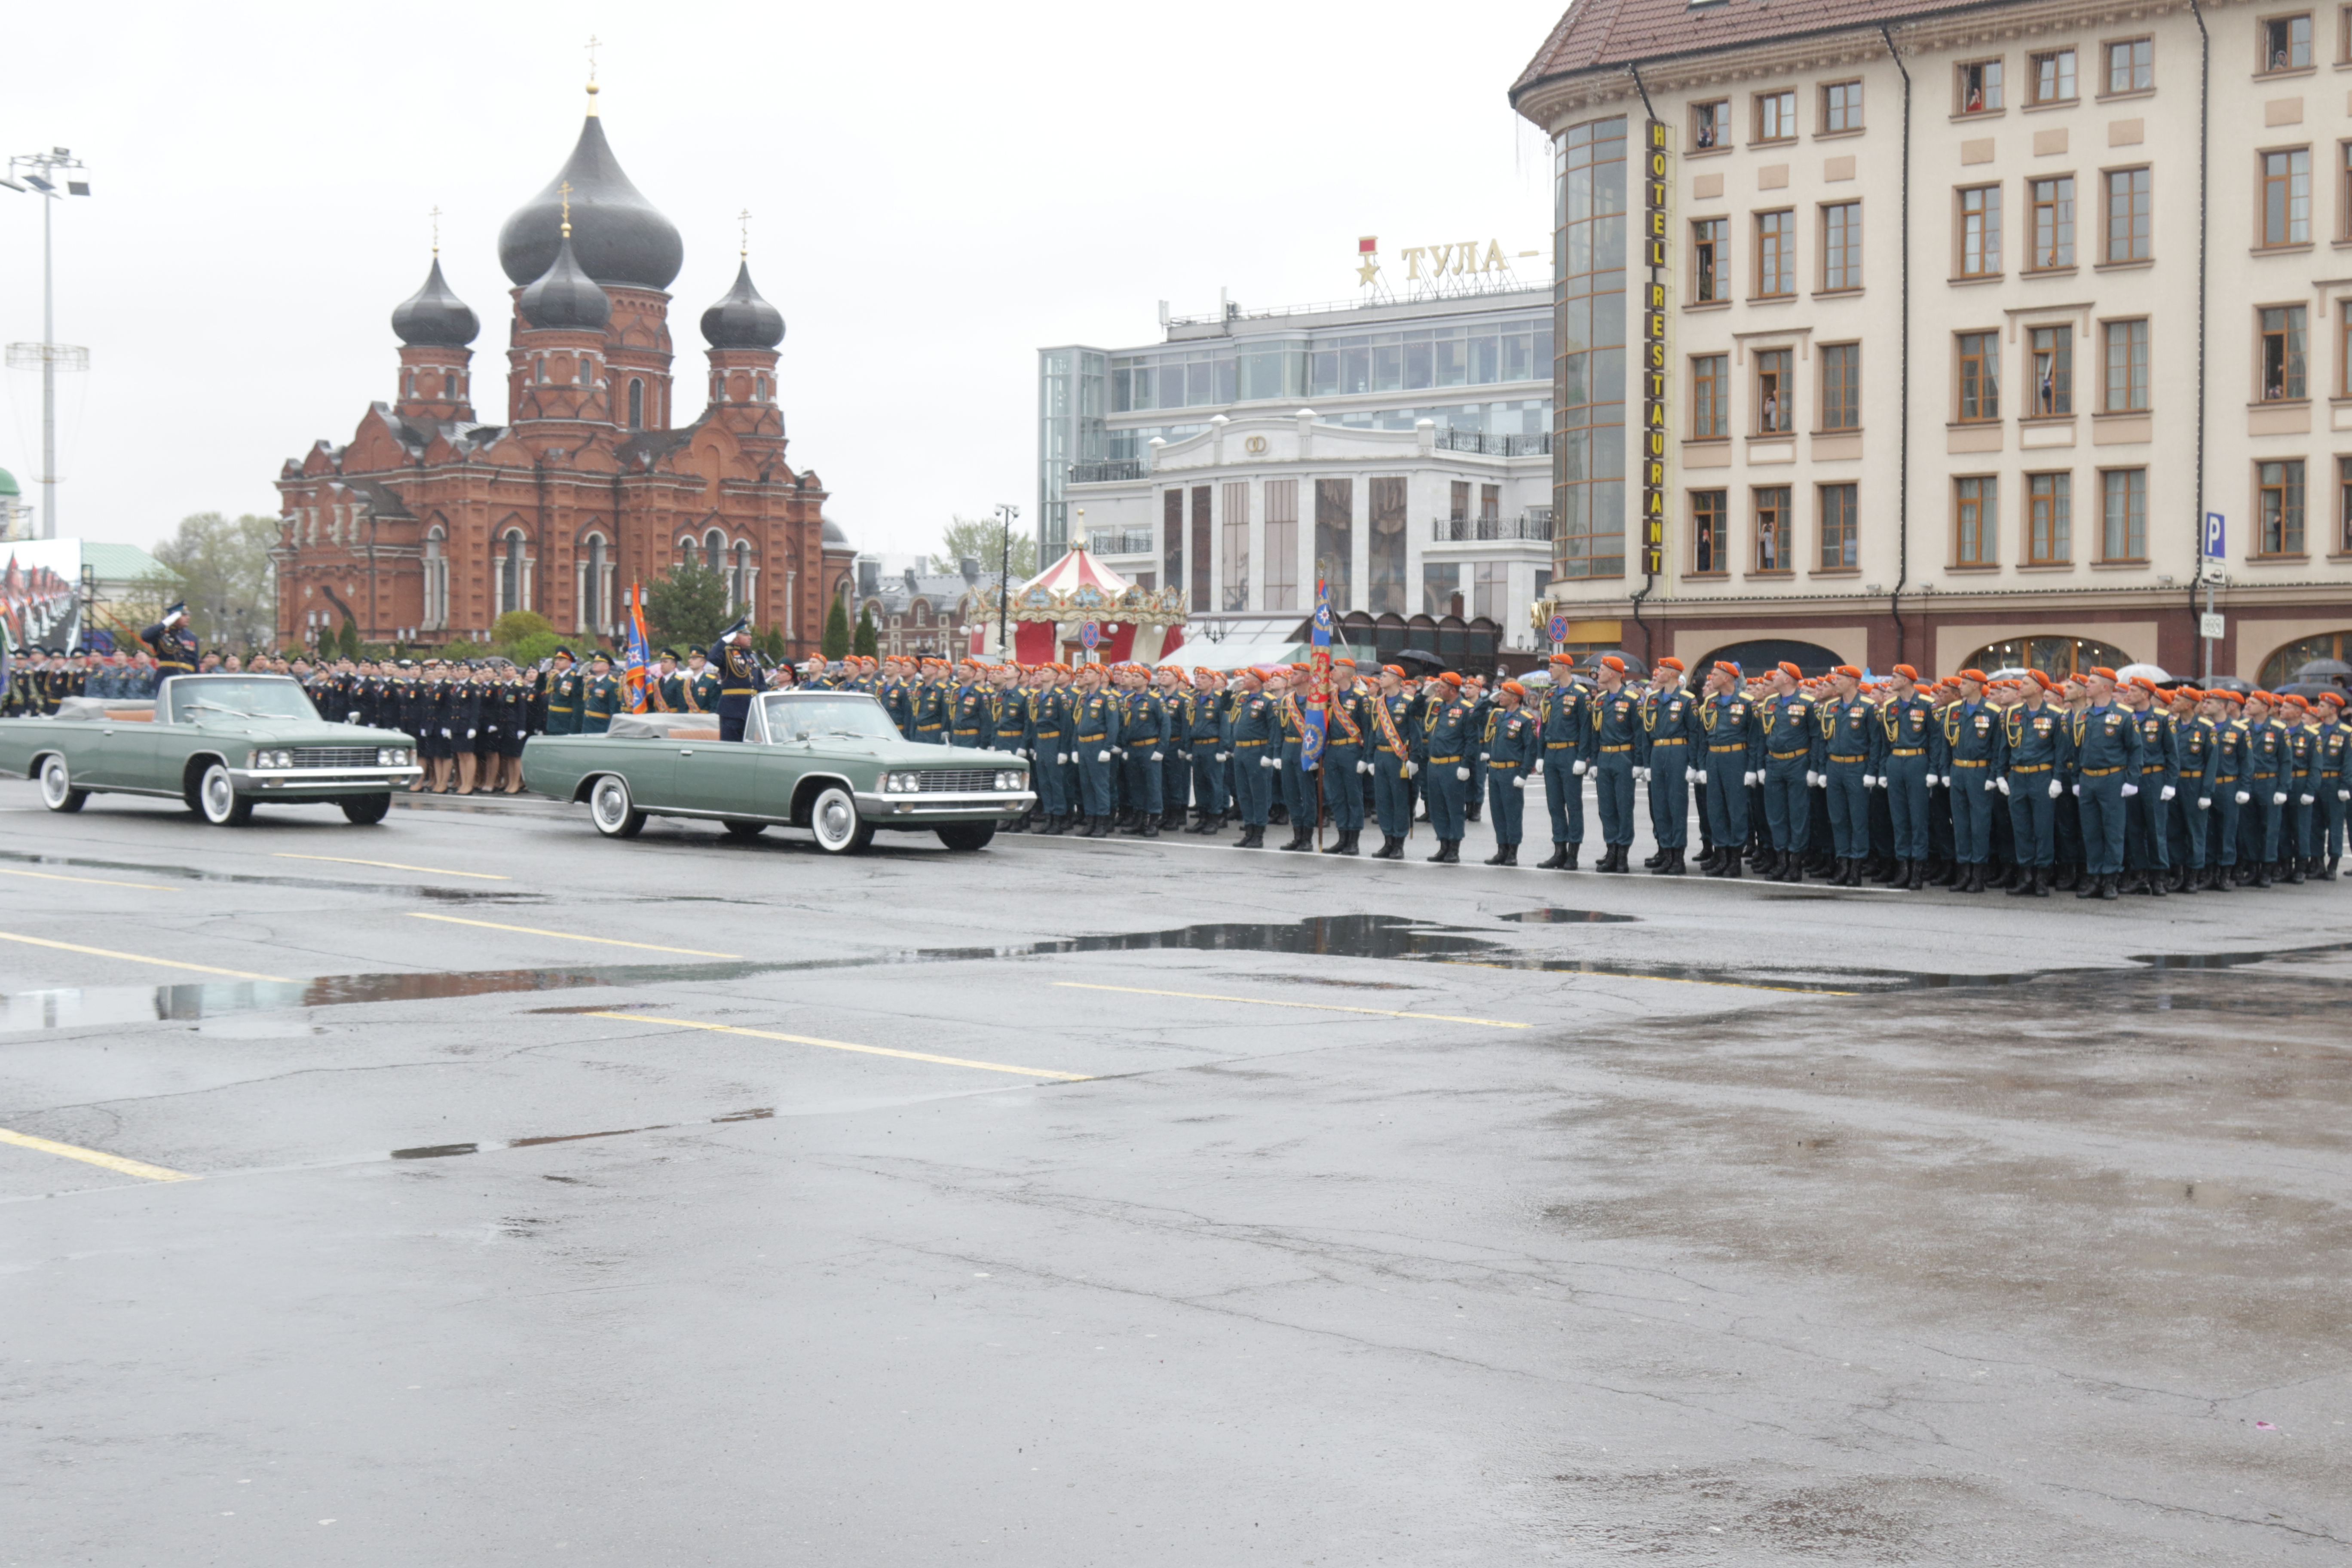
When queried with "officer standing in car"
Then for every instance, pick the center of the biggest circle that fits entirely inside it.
(739, 677)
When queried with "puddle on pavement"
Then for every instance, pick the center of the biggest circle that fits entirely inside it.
(63, 863)
(1390, 937)
(446, 1151)
(1555, 917)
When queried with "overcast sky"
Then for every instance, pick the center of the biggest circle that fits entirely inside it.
(937, 192)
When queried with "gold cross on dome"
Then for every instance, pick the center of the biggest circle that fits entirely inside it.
(594, 43)
(437, 230)
(565, 188)
(743, 220)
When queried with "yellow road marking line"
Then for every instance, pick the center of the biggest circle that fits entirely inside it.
(1313, 1006)
(139, 958)
(95, 1157)
(94, 881)
(841, 1046)
(395, 866)
(570, 936)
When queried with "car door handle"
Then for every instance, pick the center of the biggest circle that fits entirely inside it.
(686, 751)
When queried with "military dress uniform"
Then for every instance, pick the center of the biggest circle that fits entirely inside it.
(1393, 766)
(2157, 775)
(929, 708)
(2264, 790)
(600, 698)
(2297, 815)
(2334, 775)
(174, 648)
(1849, 725)
(2196, 743)
(1733, 734)
(1512, 742)
(1972, 742)
(1449, 743)
(1295, 785)
(1200, 720)
(1256, 733)
(1564, 715)
(560, 688)
(1095, 722)
(1143, 742)
(738, 672)
(1791, 754)
(1049, 709)
(1669, 753)
(2104, 758)
(1612, 745)
(1344, 745)
(2035, 742)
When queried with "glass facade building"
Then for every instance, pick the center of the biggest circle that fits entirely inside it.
(1069, 433)
(1588, 386)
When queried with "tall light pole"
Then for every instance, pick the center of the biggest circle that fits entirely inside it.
(1005, 514)
(39, 172)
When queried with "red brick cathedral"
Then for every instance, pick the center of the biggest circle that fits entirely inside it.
(430, 524)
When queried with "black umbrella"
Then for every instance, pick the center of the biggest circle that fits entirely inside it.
(1634, 664)
(2309, 688)
(2333, 670)
(2229, 683)
(1419, 657)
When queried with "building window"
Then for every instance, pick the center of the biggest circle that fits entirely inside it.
(1776, 389)
(510, 573)
(1711, 533)
(1841, 108)
(1842, 245)
(1711, 124)
(1841, 528)
(1976, 519)
(2281, 486)
(2053, 223)
(1171, 536)
(636, 404)
(2131, 65)
(1841, 386)
(1710, 260)
(1772, 553)
(760, 387)
(2344, 506)
(1776, 116)
(1335, 540)
(2286, 44)
(1776, 254)
(2128, 214)
(1710, 397)
(1979, 87)
(1388, 546)
(1490, 503)
(1589, 388)
(1441, 588)
(408, 384)
(2283, 353)
(1460, 509)
(2050, 522)
(1980, 231)
(2123, 530)
(738, 583)
(2286, 198)
(2054, 77)
(2052, 349)
(2344, 346)
(1490, 590)
(2126, 357)
(1980, 363)
(1281, 544)
(1236, 547)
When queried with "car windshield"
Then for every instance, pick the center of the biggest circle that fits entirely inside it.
(790, 715)
(195, 699)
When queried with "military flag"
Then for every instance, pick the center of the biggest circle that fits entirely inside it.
(637, 656)
(1318, 687)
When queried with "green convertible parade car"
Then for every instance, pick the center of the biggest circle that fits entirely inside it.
(831, 762)
(220, 744)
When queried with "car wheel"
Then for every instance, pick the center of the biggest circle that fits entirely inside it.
(609, 806)
(57, 792)
(967, 836)
(744, 832)
(834, 819)
(362, 809)
(218, 800)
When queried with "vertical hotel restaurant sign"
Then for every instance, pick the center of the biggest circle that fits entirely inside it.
(1654, 347)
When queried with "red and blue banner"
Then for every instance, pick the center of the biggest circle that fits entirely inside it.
(637, 658)
(1318, 688)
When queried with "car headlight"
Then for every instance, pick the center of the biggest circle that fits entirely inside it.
(391, 757)
(901, 784)
(282, 759)
(1012, 778)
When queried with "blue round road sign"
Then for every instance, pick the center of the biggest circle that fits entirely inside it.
(1556, 628)
(1089, 636)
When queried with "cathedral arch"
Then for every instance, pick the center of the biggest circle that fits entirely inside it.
(436, 573)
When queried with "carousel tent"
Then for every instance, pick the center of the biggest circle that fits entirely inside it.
(1048, 610)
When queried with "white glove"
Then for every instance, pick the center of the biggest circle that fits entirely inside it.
(1410, 769)
(1102, 756)
(2078, 789)
(1269, 761)
(1363, 767)
(1640, 775)
(1990, 784)
(2130, 790)
(1464, 774)
(1538, 769)
(2003, 783)
(1748, 778)
(2167, 793)
(1812, 778)
(1695, 775)
(1870, 781)
(1580, 769)
(2204, 803)
(445, 734)
(2056, 789)
(2344, 795)
(1155, 756)
(1518, 783)
(2304, 800)
(470, 735)
(1933, 781)
(1223, 756)
(2243, 798)
(2279, 799)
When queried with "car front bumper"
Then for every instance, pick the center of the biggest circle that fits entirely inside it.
(978, 807)
(322, 782)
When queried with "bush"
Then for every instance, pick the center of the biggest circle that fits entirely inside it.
(687, 607)
(516, 624)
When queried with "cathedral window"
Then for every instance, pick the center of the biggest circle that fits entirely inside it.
(760, 385)
(636, 404)
(539, 369)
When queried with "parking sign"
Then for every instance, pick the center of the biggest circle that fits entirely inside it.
(1556, 628)
(2217, 536)
(1089, 636)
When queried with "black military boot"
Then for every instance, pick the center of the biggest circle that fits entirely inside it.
(1729, 870)
(2027, 884)
(1793, 868)
(1676, 863)
(2193, 880)
(1149, 828)
(2295, 871)
(1504, 855)
(1569, 864)
(1439, 858)
(2154, 885)
(2107, 888)
(1557, 859)
(1344, 844)
(1450, 851)
(2327, 872)
(1610, 861)
(1766, 864)
(1655, 860)
(1252, 838)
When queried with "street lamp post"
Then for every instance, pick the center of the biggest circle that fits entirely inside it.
(38, 171)
(1005, 514)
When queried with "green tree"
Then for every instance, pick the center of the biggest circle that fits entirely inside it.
(226, 575)
(347, 640)
(836, 631)
(688, 606)
(982, 539)
(771, 642)
(517, 625)
(865, 644)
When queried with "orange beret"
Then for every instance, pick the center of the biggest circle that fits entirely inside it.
(1670, 662)
(1563, 659)
(2335, 699)
(1395, 670)
(1975, 675)
(1451, 678)
(2102, 671)
(1852, 672)
(1611, 661)
(1908, 673)
(1790, 671)
(1513, 687)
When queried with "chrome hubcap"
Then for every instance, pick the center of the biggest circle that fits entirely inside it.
(836, 820)
(55, 781)
(610, 803)
(219, 793)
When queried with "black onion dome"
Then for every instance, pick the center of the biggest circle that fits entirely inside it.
(433, 317)
(564, 295)
(621, 238)
(742, 319)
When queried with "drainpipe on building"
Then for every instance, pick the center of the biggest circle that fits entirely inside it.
(1649, 578)
(2204, 165)
(1902, 370)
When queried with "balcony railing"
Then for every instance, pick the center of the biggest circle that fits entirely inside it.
(1533, 524)
(1106, 473)
(1126, 541)
(1494, 446)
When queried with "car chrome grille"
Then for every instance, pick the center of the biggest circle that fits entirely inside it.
(958, 781)
(334, 756)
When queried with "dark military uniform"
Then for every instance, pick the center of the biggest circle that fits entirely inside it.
(739, 681)
(1512, 742)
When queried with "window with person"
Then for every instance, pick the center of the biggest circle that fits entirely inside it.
(2286, 43)
(2053, 221)
(1775, 392)
(2052, 363)
(1772, 523)
(2282, 353)
(1710, 260)
(2279, 505)
(1980, 86)
(1710, 519)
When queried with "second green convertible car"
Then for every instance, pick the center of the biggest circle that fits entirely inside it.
(831, 762)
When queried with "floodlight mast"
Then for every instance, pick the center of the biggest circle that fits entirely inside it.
(37, 173)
